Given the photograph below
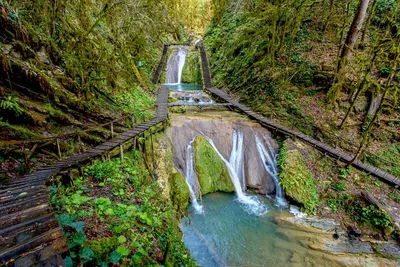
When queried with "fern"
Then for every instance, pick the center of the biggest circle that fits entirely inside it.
(10, 103)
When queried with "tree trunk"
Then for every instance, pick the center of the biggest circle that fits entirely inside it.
(370, 15)
(329, 16)
(354, 30)
(376, 100)
(359, 89)
(348, 46)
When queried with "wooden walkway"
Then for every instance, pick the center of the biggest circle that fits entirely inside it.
(324, 148)
(29, 231)
(160, 67)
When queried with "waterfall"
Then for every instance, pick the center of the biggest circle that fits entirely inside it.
(236, 158)
(268, 158)
(235, 167)
(175, 65)
(190, 176)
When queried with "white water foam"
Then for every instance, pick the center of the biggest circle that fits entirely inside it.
(235, 167)
(269, 161)
(175, 65)
(296, 212)
(190, 176)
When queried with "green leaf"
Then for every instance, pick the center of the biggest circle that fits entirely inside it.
(77, 240)
(123, 251)
(86, 255)
(121, 239)
(77, 199)
(68, 262)
(115, 257)
(78, 226)
(109, 211)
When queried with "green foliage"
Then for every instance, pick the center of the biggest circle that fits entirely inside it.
(389, 157)
(296, 179)
(10, 103)
(338, 202)
(395, 195)
(345, 172)
(339, 186)
(256, 51)
(376, 217)
(123, 201)
(102, 170)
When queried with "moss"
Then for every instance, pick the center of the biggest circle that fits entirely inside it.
(297, 180)
(211, 171)
(191, 72)
(179, 191)
(102, 247)
(15, 131)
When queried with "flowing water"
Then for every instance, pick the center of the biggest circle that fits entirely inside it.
(226, 235)
(185, 87)
(235, 168)
(175, 65)
(269, 160)
(191, 176)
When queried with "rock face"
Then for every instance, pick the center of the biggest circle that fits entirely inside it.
(171, 182)
(220, 130)
(315, 235)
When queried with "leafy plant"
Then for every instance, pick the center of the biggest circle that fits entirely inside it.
(10, 103)
(345, 172)
(395, 195)
(376, 217)
(339, 186)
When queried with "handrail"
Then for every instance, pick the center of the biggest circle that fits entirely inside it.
(90, 129)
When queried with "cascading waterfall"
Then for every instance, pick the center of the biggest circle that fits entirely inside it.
(235, 167)
(175, 65)
(236, 158)
(268, 158)
(190, 176)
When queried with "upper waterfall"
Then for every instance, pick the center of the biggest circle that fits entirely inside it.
(175, 65)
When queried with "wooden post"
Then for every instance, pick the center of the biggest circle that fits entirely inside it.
(25, 158)
(79, 144)
(112, 130)
(32, 151)
(121, 150)
(135, 143)
(152, 150)
(58, 149)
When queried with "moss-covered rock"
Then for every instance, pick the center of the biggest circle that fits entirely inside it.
(179, 191)
(171, 182)
(211, 170)
(191, 72)
(296, 179)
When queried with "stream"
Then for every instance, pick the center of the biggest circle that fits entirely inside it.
(226, 234)
(244, 228)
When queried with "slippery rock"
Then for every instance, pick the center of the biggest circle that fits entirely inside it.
(220, 130)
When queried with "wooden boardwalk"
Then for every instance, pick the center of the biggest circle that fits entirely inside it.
(324, 148)
(160, 67)
(29, 231)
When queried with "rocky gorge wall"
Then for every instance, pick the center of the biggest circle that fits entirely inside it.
(212, 174)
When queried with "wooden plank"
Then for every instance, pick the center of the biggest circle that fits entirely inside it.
(10, 254)
(24, 215)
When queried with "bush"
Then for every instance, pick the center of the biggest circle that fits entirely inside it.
(379, 219)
